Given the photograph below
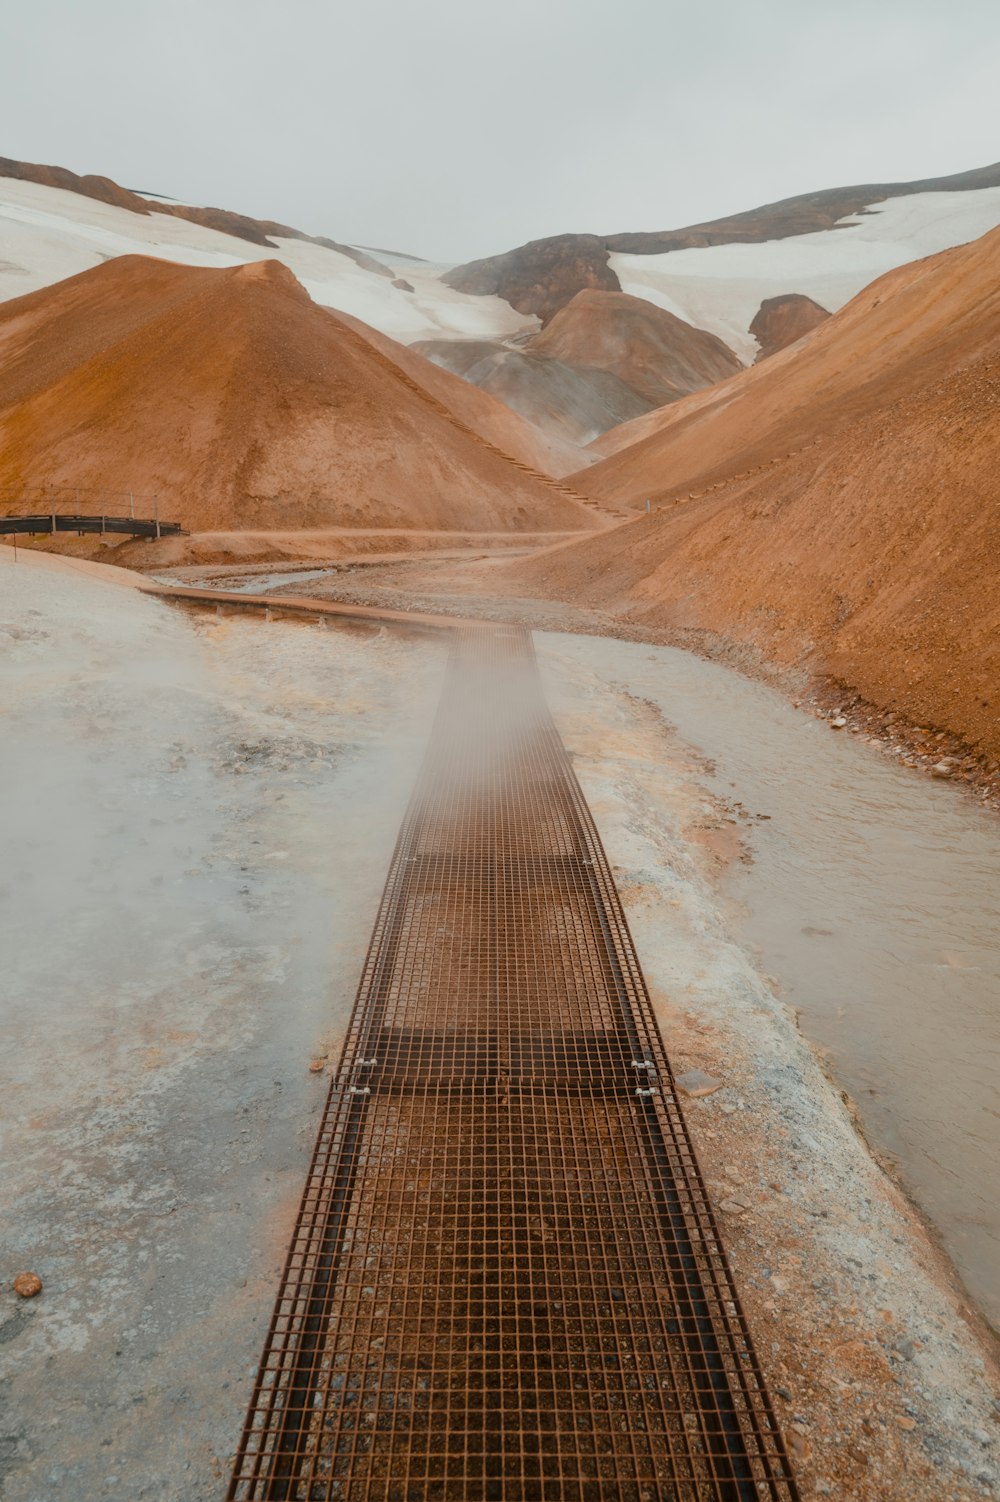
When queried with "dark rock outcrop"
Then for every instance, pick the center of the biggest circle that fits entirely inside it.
(540, 277)
(779, 321)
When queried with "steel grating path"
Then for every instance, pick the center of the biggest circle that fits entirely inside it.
(505, 1281)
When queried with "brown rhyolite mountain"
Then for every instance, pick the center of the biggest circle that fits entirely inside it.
(242, 404)
(604, 358)
(659, 355)
(542, 276)
(835, 508)
(780, 321)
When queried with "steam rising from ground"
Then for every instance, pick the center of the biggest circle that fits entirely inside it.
(197, 816)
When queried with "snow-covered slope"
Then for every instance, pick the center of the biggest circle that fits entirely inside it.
(721, 287)
(48, 234)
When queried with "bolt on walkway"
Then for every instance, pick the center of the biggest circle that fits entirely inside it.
(505, 1281)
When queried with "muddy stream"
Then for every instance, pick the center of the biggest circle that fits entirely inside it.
(873, 896)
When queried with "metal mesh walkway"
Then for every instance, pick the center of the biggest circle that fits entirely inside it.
(505, 1281)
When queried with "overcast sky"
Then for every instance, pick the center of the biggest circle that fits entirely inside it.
(454, 128)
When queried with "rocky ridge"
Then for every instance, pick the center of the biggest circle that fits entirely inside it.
(543, 275)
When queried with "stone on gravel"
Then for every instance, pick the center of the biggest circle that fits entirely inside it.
(799, 1447)
(27, 1285)
(695, 1083)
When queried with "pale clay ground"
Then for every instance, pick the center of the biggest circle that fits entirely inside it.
(192, 874)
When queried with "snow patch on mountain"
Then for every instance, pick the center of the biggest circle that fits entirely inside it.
(721, 287)
(47, 234)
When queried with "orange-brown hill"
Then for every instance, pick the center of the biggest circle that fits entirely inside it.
(657, 354)
(242, 404)
(923, 318)
(604, 358)
(859, 537)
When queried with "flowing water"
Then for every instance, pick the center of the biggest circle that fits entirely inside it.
(874, 897)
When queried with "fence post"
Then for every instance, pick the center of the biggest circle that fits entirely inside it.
(156, 513)
(131, 505)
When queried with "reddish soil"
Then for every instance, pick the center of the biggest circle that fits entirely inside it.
(242, 404)
(658, 355)
(834, 509)
(781, 321)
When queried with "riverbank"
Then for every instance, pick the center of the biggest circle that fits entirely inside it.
(865, 1320)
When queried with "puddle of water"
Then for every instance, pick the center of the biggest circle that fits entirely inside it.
(874, 896)
(250, 584)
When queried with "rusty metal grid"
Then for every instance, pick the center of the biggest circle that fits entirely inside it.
(506, 1281)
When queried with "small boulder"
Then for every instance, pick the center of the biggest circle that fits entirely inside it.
(27, 1285)
(695, 1083)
